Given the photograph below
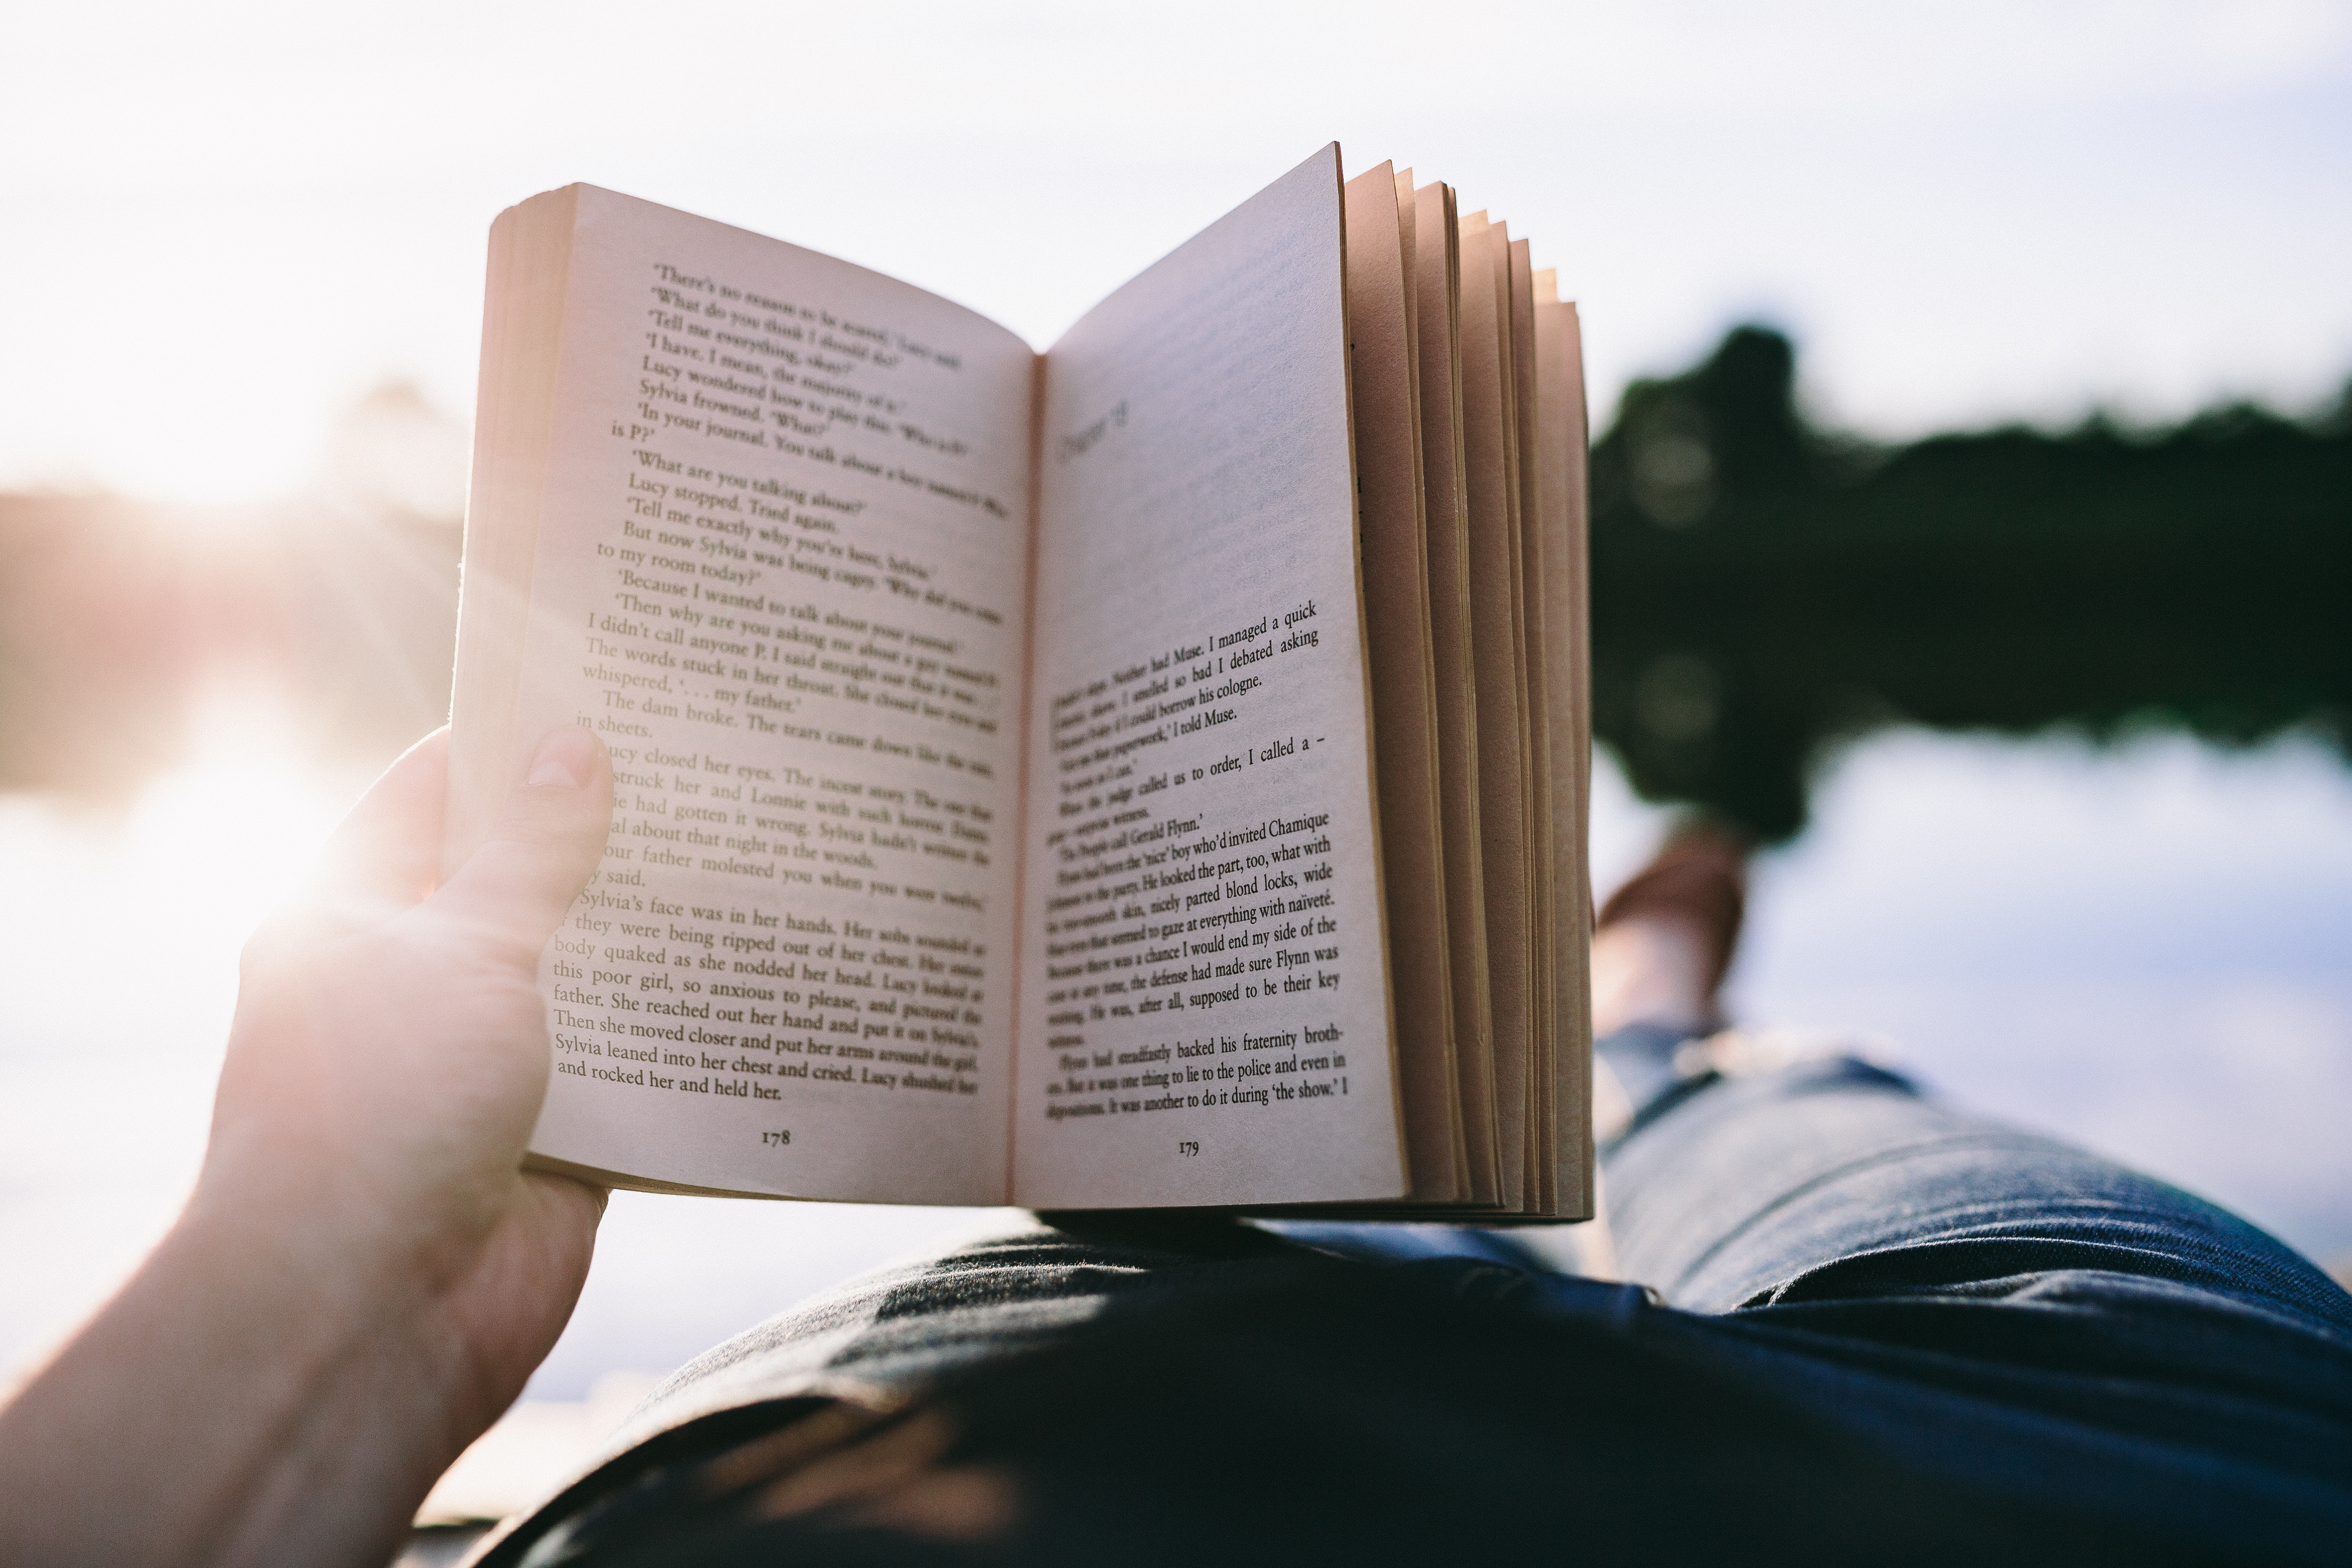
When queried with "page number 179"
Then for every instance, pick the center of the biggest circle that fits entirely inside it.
(1188, 1148)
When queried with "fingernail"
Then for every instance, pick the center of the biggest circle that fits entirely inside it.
(567, 757)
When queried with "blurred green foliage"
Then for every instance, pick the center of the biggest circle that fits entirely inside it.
(1763, 590)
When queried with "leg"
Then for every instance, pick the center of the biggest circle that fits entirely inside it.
(1737, 1182)
(1958, 1345)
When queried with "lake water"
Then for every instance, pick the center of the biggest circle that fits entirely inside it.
(2147, 948)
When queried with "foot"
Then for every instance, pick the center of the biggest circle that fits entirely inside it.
(1663, 940)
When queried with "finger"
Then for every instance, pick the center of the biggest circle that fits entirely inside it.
(513, 891)
(388, 849)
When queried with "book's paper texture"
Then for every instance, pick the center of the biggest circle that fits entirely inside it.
(1438, 279)
(1205, 1013)
(522, 313)
(1457, 1059)
(1396, 605)
(1542, 673)
(778, 566)
(1498, 645)
(1560, 376)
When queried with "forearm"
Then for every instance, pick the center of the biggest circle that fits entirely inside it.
(249, 1397)
(364, 1278)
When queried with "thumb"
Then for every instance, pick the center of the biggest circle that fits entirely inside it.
(512, 892)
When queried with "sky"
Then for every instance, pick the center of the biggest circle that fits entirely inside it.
(218, 224)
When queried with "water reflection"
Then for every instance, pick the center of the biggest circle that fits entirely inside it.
(1763, 589)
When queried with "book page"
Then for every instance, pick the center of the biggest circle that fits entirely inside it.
(1498, 643)
(522, 315)
(1438, 278)
(780, 567)
(1204, 1006)
(1408, 215)
(1543, 1133)
(1404, 708)
(1561, 395)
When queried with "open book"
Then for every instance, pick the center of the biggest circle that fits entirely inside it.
(1148, 773)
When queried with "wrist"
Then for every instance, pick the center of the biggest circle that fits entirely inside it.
(251, 1395)
(354, 1290)
(336, 1330)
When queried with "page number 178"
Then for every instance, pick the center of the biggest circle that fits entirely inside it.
(1188, 1148)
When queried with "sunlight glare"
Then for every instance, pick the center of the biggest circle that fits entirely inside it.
(230, 835)
(203, 855)
(125, 936)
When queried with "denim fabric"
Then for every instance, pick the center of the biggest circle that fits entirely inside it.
(1889, 1331)
(1642, 1057)
(1836, 1181)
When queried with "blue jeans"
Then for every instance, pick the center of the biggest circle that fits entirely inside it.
(1861, 1326)
(1836, 1181)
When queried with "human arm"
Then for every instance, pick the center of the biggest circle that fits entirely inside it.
(364, 1277)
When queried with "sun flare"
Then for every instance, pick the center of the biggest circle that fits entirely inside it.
(223, 839)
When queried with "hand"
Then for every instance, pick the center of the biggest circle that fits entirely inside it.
(364, 1278)
(390, 1053)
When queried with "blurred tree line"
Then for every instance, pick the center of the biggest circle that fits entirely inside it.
(1763, 590)
(120, 620)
